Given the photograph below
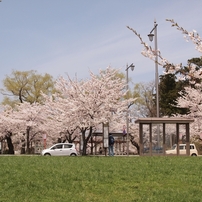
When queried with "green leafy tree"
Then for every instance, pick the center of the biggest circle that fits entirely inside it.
(26, 86)
(168, 92)
(196, 61)
(170, 87)
(145, 102)
(186, 71)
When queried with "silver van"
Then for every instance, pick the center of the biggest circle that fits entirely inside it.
(182, 150)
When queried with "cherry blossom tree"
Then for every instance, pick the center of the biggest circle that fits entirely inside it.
(86, 104)
(24, 123)
(192, 100)
(150, 53)
(7, 126)
(191, 96)
(32, 122)
(60, 120)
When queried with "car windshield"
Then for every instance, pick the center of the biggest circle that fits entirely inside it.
(174, 146)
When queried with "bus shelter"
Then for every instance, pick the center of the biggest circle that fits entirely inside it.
(164, 121)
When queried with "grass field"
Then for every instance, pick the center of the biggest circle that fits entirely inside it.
(100, 179)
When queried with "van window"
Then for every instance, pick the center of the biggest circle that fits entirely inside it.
(181, 147)
(191, 147)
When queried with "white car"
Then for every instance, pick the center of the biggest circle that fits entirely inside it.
(60, 149)
(182, 150)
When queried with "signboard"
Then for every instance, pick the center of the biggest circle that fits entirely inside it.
(44, 140)
(44, 136)
(124, 130)
(106, 135)
(81, 143)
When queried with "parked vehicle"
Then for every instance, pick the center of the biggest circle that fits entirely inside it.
(154, 150)
(60, 149)
(182, 150)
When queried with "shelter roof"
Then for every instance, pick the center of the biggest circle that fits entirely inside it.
(164, 120)
(116, 134)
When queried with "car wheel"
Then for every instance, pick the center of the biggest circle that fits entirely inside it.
(73, 154)
(193, 155)
(47, 154)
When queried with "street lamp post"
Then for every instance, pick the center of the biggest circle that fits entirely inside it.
(127, 113)
(150, 35)
(156, 65)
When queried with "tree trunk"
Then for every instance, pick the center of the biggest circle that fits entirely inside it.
(84, 144)
(23, 148)
(134, 143)
(91, 146)
(10, 145)
(69, 136)
(27, 146)
(86, 139)
(59, 140)
(23, 145)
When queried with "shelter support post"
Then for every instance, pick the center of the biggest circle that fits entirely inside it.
(150, 139)
(177, 137)
(141, 138)
(187, 140)
(164, 139)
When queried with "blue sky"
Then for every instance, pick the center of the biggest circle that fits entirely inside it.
(78, 36)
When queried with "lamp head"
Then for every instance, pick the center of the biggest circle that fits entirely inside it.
(132, 66)
(150, 36)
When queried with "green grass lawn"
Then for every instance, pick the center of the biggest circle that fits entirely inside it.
(100, 179)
